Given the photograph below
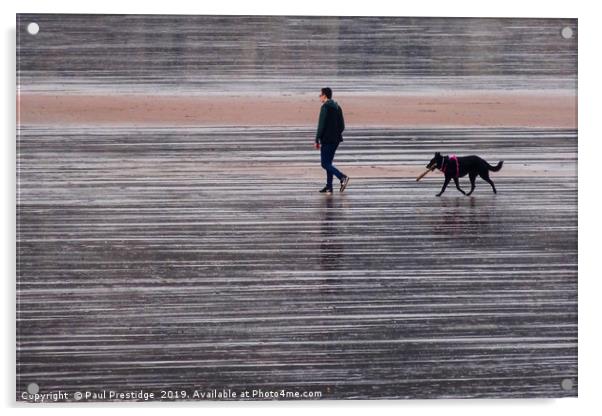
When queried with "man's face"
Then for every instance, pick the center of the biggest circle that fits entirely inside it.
(323, 98)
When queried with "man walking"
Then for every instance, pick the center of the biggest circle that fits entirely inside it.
(330, 133)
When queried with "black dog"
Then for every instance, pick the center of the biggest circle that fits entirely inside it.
(455, 167)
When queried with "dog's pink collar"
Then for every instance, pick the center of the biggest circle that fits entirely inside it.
(454, 158)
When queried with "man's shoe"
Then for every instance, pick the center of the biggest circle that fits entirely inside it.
(344, 183)
(326, 190)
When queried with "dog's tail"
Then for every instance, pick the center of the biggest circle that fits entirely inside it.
(495, 168)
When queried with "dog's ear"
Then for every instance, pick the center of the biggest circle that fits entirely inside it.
(437, 154)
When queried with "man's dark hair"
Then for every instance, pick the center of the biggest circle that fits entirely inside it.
(327, 92)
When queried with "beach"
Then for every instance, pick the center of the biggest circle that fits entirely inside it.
(171, 236)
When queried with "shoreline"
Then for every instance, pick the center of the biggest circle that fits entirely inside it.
(449, 109)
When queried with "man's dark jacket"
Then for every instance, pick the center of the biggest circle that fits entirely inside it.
(331, 124)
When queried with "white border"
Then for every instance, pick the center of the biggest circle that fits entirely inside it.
(589, 172)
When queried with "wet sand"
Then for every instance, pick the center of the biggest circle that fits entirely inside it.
(145, 262)
(451, 109)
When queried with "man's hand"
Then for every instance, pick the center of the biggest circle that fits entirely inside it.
(317, 146)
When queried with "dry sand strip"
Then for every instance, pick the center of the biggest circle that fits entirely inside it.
(491, 109)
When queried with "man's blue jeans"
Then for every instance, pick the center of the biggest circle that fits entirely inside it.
(327, 152)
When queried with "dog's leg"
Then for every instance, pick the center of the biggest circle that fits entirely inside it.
(489, 181)
(457, 182)
(472, 177)
(447, 179)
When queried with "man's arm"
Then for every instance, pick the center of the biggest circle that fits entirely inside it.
(321, 124)
(341, 119)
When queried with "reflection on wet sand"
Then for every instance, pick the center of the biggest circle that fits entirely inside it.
(463, 217)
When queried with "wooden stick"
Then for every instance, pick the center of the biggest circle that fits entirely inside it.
(423, 174)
